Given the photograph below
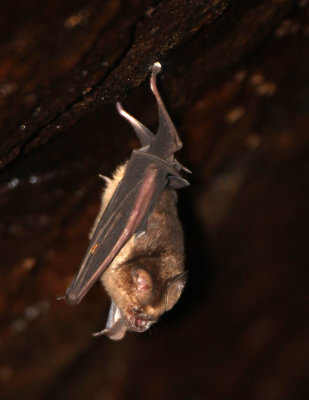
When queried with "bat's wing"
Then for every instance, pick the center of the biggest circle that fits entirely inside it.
(127, 213)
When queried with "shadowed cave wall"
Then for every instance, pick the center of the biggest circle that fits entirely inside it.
(235, 80)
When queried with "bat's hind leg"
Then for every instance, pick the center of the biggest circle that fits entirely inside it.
(167, 132)
(144, 135)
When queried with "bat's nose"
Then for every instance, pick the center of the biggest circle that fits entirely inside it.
(138, 324)
(142, 325)
(139, 321)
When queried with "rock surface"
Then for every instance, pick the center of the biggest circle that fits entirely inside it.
(235, 82)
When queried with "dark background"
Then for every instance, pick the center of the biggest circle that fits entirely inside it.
(235, 80)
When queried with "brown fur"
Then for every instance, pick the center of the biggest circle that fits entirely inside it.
(160, 251)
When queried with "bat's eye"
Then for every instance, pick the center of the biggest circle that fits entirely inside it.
(174, 289)
(143, 283)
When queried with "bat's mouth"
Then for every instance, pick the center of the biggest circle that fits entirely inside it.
(139, 322)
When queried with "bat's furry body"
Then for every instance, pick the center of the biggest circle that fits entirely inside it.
(160, 250)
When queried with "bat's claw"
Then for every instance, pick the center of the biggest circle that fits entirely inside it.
(96, 334)
(156, 68)
(61, 298)
(176, 182)
(180, 167)
(105, 178)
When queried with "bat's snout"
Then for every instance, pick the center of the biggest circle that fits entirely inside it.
(138, 321)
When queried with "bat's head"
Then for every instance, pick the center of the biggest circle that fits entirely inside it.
(151, 297)
(145, 290)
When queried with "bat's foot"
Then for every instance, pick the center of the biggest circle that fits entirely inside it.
(156, 68)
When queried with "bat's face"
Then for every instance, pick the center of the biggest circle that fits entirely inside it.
(142, 293)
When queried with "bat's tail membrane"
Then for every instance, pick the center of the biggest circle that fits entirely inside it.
(144, 135)
(167, 139)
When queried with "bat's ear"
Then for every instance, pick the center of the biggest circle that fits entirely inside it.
(144, 284)
(174, 289)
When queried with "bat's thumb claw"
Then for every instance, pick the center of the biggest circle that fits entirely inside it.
(96, 334)
(60, 298)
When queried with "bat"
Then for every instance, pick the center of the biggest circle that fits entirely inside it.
(136, 244)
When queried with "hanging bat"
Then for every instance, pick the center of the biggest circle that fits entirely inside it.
(136, 244)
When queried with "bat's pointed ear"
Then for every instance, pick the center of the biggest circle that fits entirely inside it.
(144, 135)
(174, 289)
